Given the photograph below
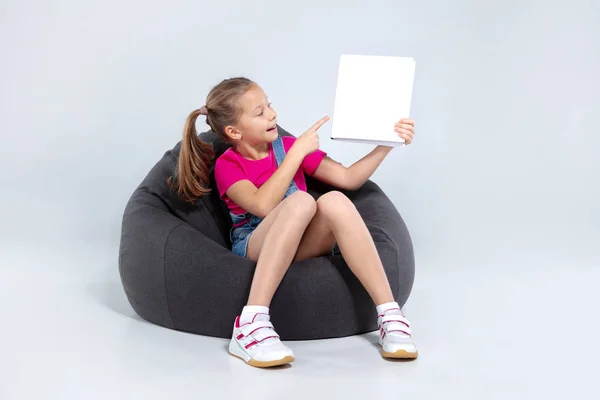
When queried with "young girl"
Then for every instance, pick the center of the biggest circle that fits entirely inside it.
(275, 221)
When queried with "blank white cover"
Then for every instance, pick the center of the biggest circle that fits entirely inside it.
(373, 93)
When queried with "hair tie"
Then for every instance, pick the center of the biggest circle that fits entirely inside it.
(203, 110)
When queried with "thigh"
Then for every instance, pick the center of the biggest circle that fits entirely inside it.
(258, 235)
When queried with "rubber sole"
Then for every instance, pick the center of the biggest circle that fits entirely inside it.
(266, 364)
(399, 354)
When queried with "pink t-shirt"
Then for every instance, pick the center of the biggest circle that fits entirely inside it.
(232, 167)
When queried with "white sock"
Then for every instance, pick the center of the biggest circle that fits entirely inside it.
(249, 312)
(391, 308)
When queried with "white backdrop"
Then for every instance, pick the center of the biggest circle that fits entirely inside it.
(504, 167)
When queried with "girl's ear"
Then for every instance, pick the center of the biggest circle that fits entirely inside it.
(232, 133)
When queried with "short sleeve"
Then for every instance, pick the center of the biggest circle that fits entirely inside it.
(227, 172)
(311, 162)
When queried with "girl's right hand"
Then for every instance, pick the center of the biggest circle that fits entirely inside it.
(308, 142)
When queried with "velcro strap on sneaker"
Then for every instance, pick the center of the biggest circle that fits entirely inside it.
(396, 327)
(263, 334)
(248, 329)
(395, 318)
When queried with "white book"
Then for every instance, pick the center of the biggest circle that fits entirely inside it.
(373, 93)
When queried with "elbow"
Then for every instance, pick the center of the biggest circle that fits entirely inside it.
(353, 186)
(349, 183)
(260, 213)
(262, 210)
(258, 206)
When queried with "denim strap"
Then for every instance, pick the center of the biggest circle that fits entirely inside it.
(279, 151)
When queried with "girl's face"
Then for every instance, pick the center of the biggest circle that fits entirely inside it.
(257, 124)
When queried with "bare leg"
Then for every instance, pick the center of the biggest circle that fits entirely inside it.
(338, 219)
(274, 243)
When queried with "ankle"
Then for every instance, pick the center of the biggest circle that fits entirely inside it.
(391, 307)
(250, 311)
(256, 309)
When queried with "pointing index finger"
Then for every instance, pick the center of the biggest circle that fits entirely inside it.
(320, 123)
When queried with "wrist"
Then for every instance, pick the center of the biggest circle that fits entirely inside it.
(296, 153)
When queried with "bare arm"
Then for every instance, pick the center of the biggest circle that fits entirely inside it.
(261, 201)
(356, 175)
(363, 169)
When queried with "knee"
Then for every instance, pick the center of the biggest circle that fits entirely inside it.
(335, 203)
(301, 203)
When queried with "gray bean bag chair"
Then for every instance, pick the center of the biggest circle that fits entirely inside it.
(178, 271)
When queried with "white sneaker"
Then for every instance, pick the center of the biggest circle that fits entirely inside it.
(258, 344)
(395, 337)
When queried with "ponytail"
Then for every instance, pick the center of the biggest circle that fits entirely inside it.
(192, 174)
(195, 157)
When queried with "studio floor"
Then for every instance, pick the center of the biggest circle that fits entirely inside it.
(492, 332)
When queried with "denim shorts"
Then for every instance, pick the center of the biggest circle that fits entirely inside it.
(240, 235)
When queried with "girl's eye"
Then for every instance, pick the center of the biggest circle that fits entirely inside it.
(262, 112)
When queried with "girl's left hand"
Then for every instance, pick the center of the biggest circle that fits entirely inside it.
(405, 128)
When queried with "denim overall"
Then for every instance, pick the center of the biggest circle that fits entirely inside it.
(244, 224)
